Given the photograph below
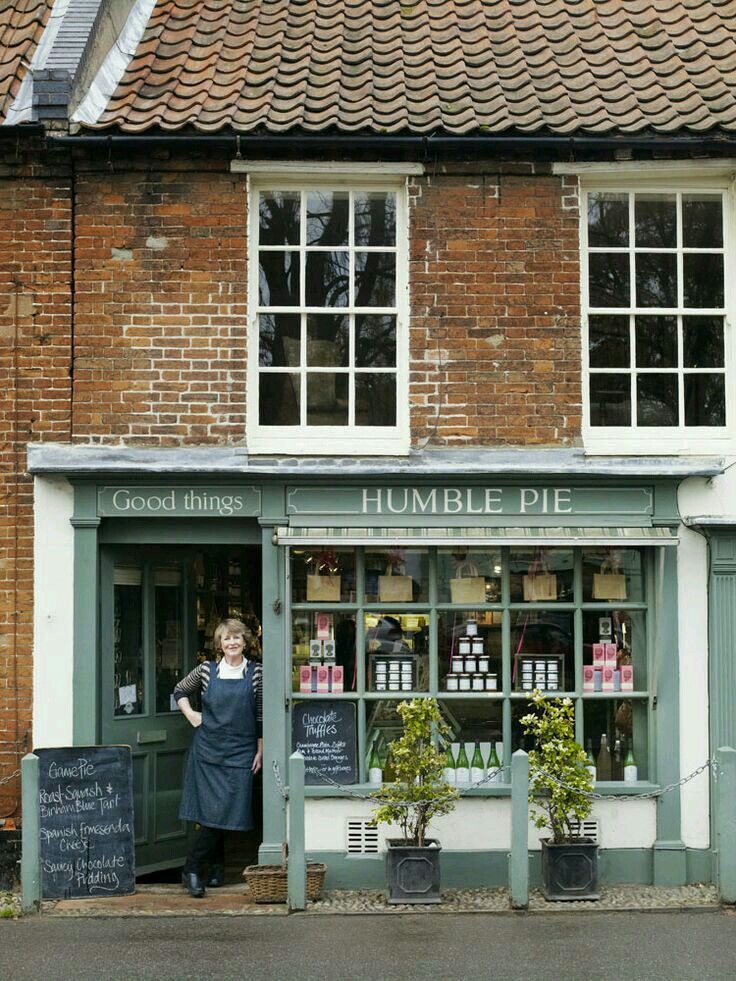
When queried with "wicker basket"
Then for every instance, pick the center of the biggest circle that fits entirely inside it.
(268, 883)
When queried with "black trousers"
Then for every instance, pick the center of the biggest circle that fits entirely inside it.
(208, 848)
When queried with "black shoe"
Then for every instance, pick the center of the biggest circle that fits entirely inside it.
(192, 882)
(216, 876)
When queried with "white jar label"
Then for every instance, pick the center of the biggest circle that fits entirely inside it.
(476, 774)
(631, 774)
(462, 774)
(375, 775)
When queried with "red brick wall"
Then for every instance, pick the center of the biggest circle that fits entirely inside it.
(35, 349)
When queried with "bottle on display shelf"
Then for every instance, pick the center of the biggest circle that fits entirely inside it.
(617, 766)
(389, 774)
(449, 770)
(493, 768)
(375, 770)
(603, 763)
(462, 767)
(631, 770)
(477, 771)
(590, 765)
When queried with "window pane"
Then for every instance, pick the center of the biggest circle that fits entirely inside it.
(656, 397)
(608, 220)
(656, 279)
(468, 575)
(375, 218)
(542, 650)
(476, 724)
(327, 217)
(519, 740)
(703, 280)
(705, 400)
(323, 639)
(278, 284)
(656, 342)
(541, 575)
(375, 340)
(327, 279)
(278, 216)
(375, 279)
(608, 279)
(322, 574)
(397, 652)
(612, 573)
(656, 220)
(702, 221)
(375, 399)
(396, 575)
(128, 639)
(610, 400)
(615, 648)
(470, 663)
(624, 724)
(279, 340)
(703, 342)
(608, 341)
(168, 629)
(327, 399)
(278, 399)
(327, 340)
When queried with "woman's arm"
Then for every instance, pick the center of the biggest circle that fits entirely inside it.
(195, 681)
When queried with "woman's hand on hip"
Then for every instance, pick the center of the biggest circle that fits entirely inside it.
(195, 718)
(257, 761)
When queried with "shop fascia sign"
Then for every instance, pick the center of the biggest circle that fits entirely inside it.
(179, 502)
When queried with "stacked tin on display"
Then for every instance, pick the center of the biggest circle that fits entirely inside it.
(470, 666)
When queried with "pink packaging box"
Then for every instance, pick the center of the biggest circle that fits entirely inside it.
(627, 677)
(588, 677)
(607, 679)
(305, 678)
(611, 655)
(323, 680)
(324, 626)
(599, 655)
(337, 673)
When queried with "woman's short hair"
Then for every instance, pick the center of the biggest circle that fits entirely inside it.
(231, 626)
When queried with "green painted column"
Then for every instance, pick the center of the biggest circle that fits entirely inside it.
(725, 815)
(275, 706)
(669, 850)
(30, 865)
(519, 857)
(297, 867)
(86, 603)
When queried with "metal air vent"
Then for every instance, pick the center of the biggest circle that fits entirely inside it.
(362, 837)
(586, 829)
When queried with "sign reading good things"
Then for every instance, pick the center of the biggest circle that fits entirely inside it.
(179, 502)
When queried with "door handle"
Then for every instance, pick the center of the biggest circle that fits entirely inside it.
(154, 736)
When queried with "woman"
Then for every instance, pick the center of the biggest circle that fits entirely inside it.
(226, 751)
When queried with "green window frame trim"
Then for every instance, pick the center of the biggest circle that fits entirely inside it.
(650, 605)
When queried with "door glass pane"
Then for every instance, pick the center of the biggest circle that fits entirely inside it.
(542, 650)
(470, 662)
(327, 217)
(656, 342)
(656, 220)
(128, 642)
(397, 652)
(608, 220)
(656, 396)
(169, 627)
(614, 650)
(702, 221)
(624, 724)
(610, 400)
(541, 575)
(705, 400)
(656, 279)
(608, 279)
(608, 341)
(323, 652)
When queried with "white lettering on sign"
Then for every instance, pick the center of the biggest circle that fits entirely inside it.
(467, 500)
(125, 501)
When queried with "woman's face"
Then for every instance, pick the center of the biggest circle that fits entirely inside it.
(232, 644)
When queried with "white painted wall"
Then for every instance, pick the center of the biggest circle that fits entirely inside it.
(53, 563)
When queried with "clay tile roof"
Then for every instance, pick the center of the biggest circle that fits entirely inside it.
(21, 26)
(566, 66)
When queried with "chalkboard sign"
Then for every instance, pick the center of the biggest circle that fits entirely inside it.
(324, 733)
(86, 798)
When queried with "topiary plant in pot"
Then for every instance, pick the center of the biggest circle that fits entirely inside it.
(559, 789)
(419, 794)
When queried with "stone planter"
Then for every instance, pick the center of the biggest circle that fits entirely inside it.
(570, 871)
(413, 872)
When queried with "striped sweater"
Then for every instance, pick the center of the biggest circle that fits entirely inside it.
(198, 681)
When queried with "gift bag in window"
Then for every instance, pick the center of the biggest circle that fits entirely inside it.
(323, 589)
(540, 585)
(394, 586)
(467, 586)
(610, 582)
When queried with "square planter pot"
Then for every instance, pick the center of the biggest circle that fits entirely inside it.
(413, 872)
(570, 871)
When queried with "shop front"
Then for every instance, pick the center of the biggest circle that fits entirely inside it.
(372, 588)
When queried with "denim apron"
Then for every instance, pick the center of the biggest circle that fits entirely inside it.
(218, 780)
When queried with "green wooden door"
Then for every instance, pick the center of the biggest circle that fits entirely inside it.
(147, 644)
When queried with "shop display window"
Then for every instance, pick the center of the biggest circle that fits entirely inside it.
(615, 737)
(570, 621)
(128, 640)
(323, 574)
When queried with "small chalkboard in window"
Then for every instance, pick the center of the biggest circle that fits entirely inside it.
(324, 733)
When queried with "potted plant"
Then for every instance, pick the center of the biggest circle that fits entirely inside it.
(419, 794)
(559, 789)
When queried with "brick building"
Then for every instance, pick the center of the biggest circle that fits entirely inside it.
(431, 292)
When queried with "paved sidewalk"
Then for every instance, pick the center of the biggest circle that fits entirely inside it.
(172, 900)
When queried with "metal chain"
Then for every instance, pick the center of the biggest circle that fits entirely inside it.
(10, 777)
(279, 782)
(649, 795)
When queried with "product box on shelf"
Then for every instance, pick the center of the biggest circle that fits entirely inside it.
(323, 680)
(315, 650)
(611, 655)
(627, 677)
(599, 655)
(305, 678)
(337, 673)
(608, 679)
(588, 677)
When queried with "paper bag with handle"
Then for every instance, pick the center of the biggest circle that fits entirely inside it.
(610, 582)
(540, 585)
(394, 587)
(467, 586)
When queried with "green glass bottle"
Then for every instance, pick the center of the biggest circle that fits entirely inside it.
(631, 770)
(375, 770)
(590, 761)
(389, 773)
(462, 769)
(449, 770)
(477, 771)
(494, 766)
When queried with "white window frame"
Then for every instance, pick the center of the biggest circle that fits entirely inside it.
(688, 178)
(330, 440)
